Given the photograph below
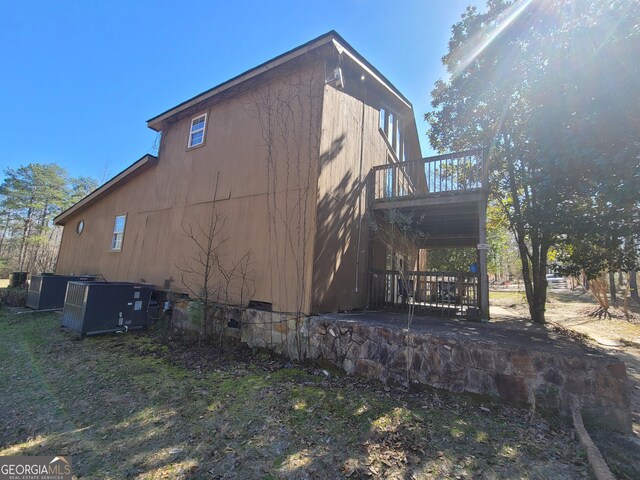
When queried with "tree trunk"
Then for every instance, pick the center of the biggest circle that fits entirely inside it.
(537, 309)
(26, 231)
(599, 291)
(633, 285)
(612, 286)
(539, 305)
(23, 240)
(534, 266)
(41, 228)
(534, 275)
(4, 233)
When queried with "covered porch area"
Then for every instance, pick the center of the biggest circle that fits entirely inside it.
(436, 203)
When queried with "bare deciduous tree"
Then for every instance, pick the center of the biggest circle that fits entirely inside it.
(397, 231)
(210, 276)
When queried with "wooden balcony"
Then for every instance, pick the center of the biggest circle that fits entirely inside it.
(445, 194)
(455, 176)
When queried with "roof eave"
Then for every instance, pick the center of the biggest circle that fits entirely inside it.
(344, 48)
(157, 123)
(138, 167)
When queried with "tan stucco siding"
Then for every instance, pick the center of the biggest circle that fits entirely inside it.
(266, 195)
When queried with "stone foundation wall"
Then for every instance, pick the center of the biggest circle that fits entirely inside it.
(188, 316)
(542, 378)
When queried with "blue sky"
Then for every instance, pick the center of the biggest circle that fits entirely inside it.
(79, 79)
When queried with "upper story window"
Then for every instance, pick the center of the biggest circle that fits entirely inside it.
(196, 134)
(118, 233)
(390, 124)
(391, 128)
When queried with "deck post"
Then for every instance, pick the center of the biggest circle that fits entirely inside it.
(370, 185)
(483, 274)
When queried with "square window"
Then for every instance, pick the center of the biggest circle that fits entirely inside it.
(196, 134)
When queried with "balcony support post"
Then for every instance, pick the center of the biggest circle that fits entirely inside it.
(483, 274)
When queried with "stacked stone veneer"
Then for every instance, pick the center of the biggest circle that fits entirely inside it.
(549, 378)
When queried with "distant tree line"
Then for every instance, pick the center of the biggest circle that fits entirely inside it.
(31, 197)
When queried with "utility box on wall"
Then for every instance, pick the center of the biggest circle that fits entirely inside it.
(47, 292)
(91, 308)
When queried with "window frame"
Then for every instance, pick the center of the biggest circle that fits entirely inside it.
(391, 124)
(114, 233)
(190, 145)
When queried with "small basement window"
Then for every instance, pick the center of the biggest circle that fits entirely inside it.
(118, 233)
(196, 134)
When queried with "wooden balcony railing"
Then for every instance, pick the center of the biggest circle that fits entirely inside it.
(440, 293)
(453, 172)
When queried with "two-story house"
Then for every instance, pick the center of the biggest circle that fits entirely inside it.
(299, 184)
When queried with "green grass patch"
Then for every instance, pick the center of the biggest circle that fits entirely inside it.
(129, 406)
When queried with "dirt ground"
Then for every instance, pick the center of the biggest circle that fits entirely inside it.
(569, 311)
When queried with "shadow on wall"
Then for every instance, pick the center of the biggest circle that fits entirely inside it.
(337, 238)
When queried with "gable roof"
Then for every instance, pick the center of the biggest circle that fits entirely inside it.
(157, 123)
(136, 168)
(330, 38)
